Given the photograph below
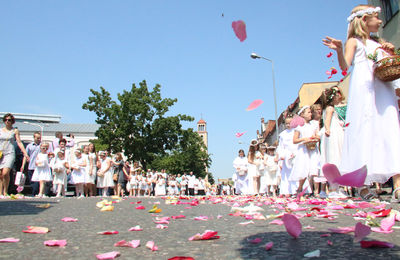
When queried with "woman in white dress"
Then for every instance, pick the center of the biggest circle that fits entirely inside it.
(241, 175)
(286, 153)
(104, 174)
(79, 172)
(160, 186)
(89, 151)
(372, 137)
(306, 161)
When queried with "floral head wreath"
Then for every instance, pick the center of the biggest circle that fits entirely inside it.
(333, 94)
(360, 13)
(302, 109)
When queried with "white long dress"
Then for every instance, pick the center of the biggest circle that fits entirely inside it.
(78, 174)
(241, 175)
(372, 137)
(306, 161)
(106, 180)
(286, 150)
(331, 146)
(251, 173)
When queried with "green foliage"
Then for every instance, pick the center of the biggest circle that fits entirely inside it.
(136, 124)
(99, 146)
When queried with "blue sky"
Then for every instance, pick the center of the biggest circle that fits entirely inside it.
(53, 52)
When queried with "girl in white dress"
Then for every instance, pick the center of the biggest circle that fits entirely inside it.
(173, 186)
(241, 175)
(286, 153)
(42, 173)
(79, 172)
(252, 168)
(142, 183)
(372, 137)
(60, 165)
(93, 158)
(159, 189)
(90, 175)
(104, 174)
(271, 168)
(183, 185)
(306, 161)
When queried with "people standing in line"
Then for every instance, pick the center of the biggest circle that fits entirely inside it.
(241, 175)
(372, 137)
(306, 161)
(8, 136)
(32, 149)
(42, 173)
(104, 174)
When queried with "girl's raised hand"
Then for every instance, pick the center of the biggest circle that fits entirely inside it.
(332, 43)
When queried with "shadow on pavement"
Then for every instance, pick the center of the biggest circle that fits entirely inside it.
(286, 247)
(22, 207)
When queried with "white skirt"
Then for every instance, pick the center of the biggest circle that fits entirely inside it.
(41, 174)
(106, 180)
(78, 176)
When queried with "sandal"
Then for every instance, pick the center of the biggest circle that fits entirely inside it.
(368, 196)
(394, 199)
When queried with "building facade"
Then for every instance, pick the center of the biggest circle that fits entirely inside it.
(391, 20)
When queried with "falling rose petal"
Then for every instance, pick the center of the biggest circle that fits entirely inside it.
(388, 222)
(346, 125)
(60, 243)
(301, 194)
(151, 245)
(109, 255)
(316, 253)
(353, 179)
(256, 240)
(297, 121)
(239, 134)
(292, 225)
(36, 230)
(331, 172)
(329, 55)
(376, 243)
(361, 231)
(181, 258)
(333, 71)
(269, 245)
(140, 207)
(9, 240)
(344, 72)
(68, 219)
(239, 27)
(113, 232)
(256, 103)
(328, 72)
(136, 228)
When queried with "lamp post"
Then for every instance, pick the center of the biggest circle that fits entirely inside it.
(34, 124)
(256, 56)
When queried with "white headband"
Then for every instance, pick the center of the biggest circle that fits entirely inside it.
(302, 109)
(362, 12)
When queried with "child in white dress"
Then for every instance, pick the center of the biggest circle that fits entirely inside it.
(104, 174)
(270, 173)
(60, 166)
(79, 172)
(372, 137)
(306, 161)
(42, 173)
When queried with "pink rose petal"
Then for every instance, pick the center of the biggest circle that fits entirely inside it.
(160, 226)
(203, 218)
(136, 228)
(269, 245)
(276, 222)
(208, 234)
(331, 172)
(256, 103)
(353, 179)
(239, 134)
(151, 245)
(375, 243)
(9, 240)
(256, 240)
(68, 219)
(329, 243)
(379, 230)
(361, 231)
(112, 232)
(292, 225)
(123, 243)
(109, 255)
(239, 27)
(178, 217)
(388, 222)
(36, 230)
(20, 189)
(297, 121)
(140, 207)
(181, 258)
(60, 243)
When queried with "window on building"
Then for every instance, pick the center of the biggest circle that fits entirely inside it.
(390, 8)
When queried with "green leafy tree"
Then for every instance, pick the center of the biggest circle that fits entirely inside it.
(137, 124)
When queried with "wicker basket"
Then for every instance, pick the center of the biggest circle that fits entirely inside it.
(387, 69)
(311, 145)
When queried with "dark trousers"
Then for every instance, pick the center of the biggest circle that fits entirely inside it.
(191, 191)
(34, 185)
(153, 190)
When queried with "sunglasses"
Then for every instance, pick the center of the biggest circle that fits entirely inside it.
(8, 119)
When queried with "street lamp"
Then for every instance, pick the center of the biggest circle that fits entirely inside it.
(256, 56)
(34, 124)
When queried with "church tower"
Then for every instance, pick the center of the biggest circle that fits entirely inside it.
(202, 131)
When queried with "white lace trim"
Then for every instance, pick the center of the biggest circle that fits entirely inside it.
(363, 12)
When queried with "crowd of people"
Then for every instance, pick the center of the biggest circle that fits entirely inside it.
(51, 167)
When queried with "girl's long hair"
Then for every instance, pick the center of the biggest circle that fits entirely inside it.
(357, 27)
